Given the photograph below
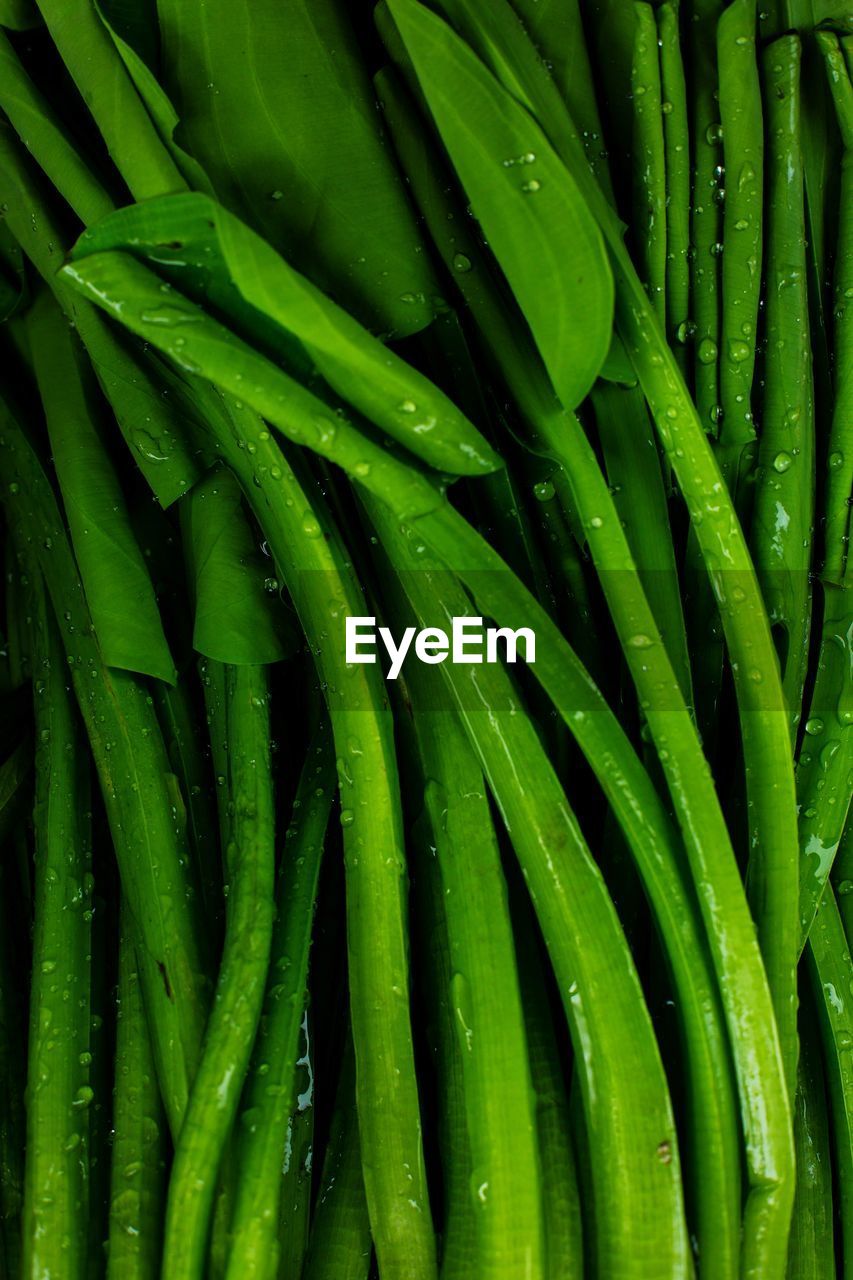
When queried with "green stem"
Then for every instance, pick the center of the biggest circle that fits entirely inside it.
(706, 221)
(294, 1216)
(743, 154)
(839, 472)
(56, 1174)
(676, 132)
(829, 968)
(812, 1252)
(784, 498)
(270, 1094)
(323, 589)
(649, 160)
(130, 758)
(484, 993)
(138, 1185)
(826, 755)
(560, 1194)
(340, 1246)
(233, 1021)
(636, 1180)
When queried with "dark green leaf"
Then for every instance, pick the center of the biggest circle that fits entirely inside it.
(275, 104)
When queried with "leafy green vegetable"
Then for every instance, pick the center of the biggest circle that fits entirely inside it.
(553, 336)
(288, 138)
(525, 200)
(239, 618)
(115, 578)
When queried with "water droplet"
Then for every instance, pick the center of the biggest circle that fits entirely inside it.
(739, 351)
(461, 262)
(347, 817)
(782, 462)
(814, 725)
(707, 351)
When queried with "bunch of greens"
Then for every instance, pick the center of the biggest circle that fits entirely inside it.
(535, 311)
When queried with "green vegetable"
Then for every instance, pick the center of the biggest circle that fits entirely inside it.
(139, 1150)
(784, 498)
(525, 313)
(56, 1182)
(215, 1093)
(271, 1089)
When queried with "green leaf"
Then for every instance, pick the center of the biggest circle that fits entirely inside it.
(96, 67)
(129, 37)
(161, 435)
(239, 617)
(276, 106)
(115, 578)
(213, 258)
(530, 208)
(45, 137)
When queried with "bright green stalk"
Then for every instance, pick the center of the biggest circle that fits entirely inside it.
(414, 499)
(323, 588)
(812, 1252)
(634, 474)
(743, 154)
(294, 1210)
(725, 554)
(839, 474)
(784, 499)
(636, 1180)
(649, 220)
(829, 966)
(340, 1246)
(484, 993)
(560, 1196)
(825, 762)
(56, 1173)
(363, 736)
(107, 89)
(676, 132)
(182, 738)
(137, 1194)
(130, 758)
(458, 1242)
(270, 1093)
(706, 221)
(230, 1033)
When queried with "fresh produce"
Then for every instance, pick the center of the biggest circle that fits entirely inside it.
(426, 465)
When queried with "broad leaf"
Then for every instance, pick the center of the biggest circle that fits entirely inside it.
(531, 211)
(275, 104)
